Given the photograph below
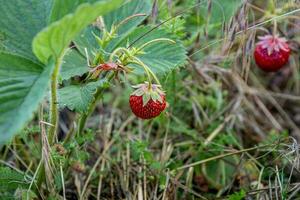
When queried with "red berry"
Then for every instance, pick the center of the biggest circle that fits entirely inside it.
(147, 103)
(150, 110)
(271, 53)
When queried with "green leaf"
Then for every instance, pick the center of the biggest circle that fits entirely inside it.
(74, 64)
(78, 97)
(161, 57)
(22, 86)
(86, 40)
(25, 194)
(238, 195)
(6, 196)
(61, 8)
(53, 40)
(219, 173)
(127, 10)
(10, 180)
(20, 21)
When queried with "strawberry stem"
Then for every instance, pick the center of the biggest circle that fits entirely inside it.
(54, 106)
(155, 40)
(275, 28)
(92, 106)
(54, 116)
(128, 18)
(147, 69)
(135, 60)
(116, 51)
(109, 35)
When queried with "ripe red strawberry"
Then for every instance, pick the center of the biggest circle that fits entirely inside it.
(147, 102)
(271, 53)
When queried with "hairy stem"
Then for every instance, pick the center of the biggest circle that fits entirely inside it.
(53, 116)
(147, 70)
(92, 107)
(54, 104)
(275, 28)
(117, 50)
(156, 40)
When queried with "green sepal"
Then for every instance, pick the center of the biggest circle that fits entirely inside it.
(139, 92)
(156, 97)
(146, 98)
(152, 92)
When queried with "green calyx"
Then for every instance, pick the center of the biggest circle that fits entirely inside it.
(149, 92)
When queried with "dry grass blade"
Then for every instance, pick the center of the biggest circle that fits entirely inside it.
(222, 156)
(94, 169)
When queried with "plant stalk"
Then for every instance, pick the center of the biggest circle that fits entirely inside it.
(54, 104)
(92, 107)
(53, 116)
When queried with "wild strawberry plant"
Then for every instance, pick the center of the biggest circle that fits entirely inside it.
(78, 50)
(227, 126)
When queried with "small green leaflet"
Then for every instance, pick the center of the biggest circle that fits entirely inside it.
(11, 180)
(79, 97)
(74, 64)
(160, 57)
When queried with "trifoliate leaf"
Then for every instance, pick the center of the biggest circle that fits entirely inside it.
(79, 97)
